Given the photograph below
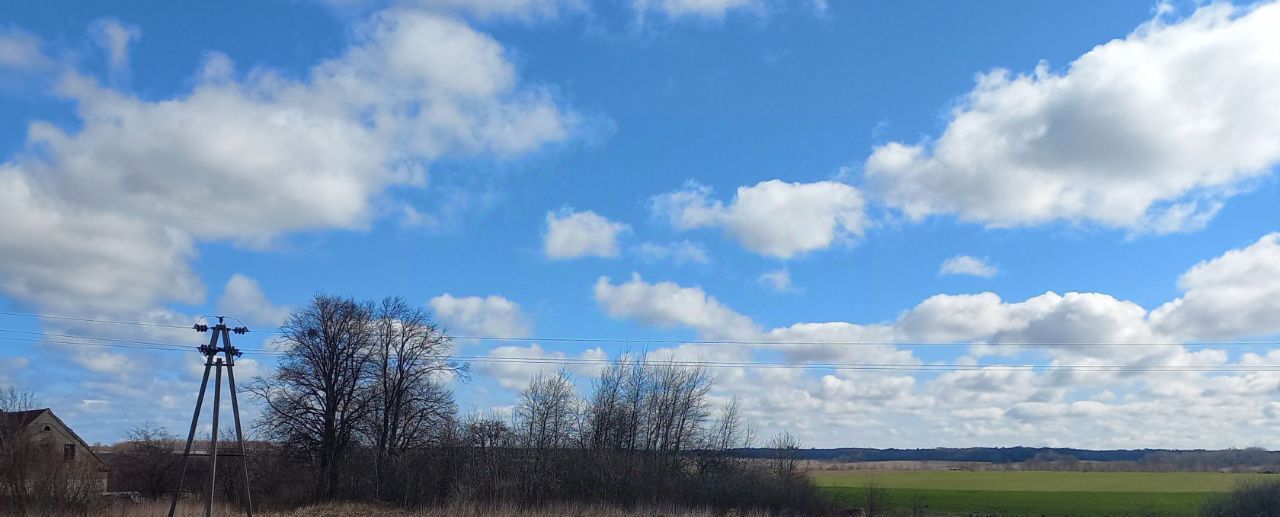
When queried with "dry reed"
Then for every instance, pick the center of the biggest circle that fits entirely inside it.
(196, 509)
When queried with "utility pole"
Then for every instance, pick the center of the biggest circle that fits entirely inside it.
(211, 362)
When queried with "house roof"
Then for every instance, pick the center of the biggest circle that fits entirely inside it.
(14, 421)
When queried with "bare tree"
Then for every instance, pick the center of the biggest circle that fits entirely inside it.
(675, 406)
(544, 414)
(728, 431)
(488, 439)
(14, 399)
(645, 406)
(544, 417)
(410, 358)
(148, 462)
(785, 460)
(607, 415)
(410, 403)
(321, 391)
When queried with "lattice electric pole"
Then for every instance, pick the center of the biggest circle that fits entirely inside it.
(211, 362)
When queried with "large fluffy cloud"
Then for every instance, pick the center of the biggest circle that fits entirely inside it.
(248, 157)
(772, 217)
(1236, 294)
(67, 258)
(1147, 133)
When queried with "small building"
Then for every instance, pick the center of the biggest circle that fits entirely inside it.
(47, 447)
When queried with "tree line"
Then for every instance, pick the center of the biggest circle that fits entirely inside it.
(359, 408)
(1252, 459)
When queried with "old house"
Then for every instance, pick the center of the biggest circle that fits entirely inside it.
(40, 449)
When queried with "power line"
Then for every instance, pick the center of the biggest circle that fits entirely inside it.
(853, 343)
(84, 340)
(90, 320)
(884, 366)
(757, 342)
(107, 345)
(569, 361)
(77, 336)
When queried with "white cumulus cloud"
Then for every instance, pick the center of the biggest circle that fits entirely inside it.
(773, 218)
(1234, 295)
(571, 234)
(243, 298)
(490, 316)
(68, 259)
(967, 265)
(1095, 340)
(513, 366)
(113, 207)
(1147, 133)
(697, 8)
(667, 304)
(779, 280)
(519, 9)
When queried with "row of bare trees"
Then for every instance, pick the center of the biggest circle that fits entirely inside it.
(634, 406)
(360, 400)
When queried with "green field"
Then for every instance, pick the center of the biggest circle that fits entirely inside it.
(1035, 493)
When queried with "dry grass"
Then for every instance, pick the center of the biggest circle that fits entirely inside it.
(194, 509)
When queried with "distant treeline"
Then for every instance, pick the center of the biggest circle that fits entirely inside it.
(984, 454)
(1183, 459)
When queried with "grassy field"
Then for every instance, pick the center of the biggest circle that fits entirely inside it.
(1035, 493)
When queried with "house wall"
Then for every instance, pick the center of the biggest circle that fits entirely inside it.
(49, 432)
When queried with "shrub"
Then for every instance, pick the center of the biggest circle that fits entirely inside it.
(1251, 499)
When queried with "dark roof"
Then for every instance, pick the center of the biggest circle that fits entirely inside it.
(14, 421)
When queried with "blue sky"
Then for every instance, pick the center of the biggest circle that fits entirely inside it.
(769, 171)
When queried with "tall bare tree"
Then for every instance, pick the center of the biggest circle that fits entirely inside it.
(321, 391)
(411, 405)
(545, 412)
(410, 359)
(675, 406)
(545, 416)
(607, 415)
